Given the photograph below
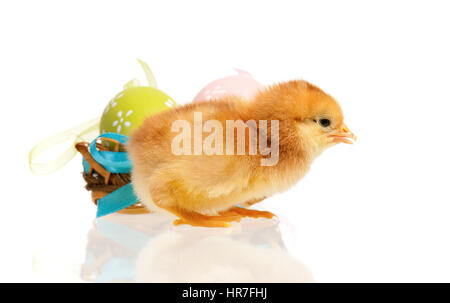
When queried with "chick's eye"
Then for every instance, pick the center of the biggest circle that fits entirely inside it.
(325, 122)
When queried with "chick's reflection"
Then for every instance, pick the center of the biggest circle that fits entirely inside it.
(148, 248)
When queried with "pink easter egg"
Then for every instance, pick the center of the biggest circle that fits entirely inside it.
(242, 85)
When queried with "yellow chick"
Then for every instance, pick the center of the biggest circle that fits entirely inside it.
(200, 160)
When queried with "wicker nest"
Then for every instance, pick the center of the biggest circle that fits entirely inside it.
(102, 182)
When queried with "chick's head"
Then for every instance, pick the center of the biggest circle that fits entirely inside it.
(306, 112)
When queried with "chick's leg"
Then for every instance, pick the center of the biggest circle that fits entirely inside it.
(251, 202)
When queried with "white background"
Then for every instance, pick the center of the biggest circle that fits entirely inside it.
(376, 211)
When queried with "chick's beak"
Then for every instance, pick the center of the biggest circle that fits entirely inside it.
(343, 135)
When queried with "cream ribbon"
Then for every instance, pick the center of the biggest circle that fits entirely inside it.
(84, 132)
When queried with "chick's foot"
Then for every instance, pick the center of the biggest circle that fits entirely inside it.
(196, 219)
(222, 220)
(252, 213)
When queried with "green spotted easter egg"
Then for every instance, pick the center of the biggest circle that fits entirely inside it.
(128, 109)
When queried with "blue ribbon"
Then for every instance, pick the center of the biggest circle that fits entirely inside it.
(117, 200)
(114, 162)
